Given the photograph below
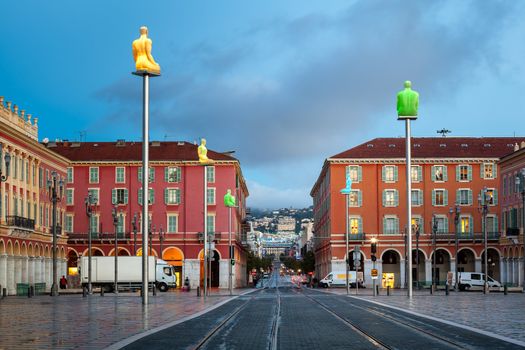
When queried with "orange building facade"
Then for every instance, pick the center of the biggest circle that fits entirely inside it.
(447, 175)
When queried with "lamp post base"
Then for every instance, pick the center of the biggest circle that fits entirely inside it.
(54, 290)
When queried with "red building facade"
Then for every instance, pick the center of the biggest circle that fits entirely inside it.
(446, 173)
(111, 172)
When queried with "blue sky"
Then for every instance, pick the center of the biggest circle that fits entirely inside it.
(284, 84)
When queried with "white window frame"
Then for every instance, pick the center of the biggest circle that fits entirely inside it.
(442, 167)
(485, 177)
(211, 215)
(443, 190)
(387, 167)
(67, 218)
(459, 170)
(419, 171)
(72, 191)
(168, 216)
(98, 174)
(175, 170)
(213, 189)
(444, 227)
(469, 202)
(175, 202)
(359, 223)
(396, 219)
(123, 174)
(470, 222)
(210, 174)
(354, 170)
(97, 191)
(354, 194)
(419, 196)
(70, 175)
(393, 204)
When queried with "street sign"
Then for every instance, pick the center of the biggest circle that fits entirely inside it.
(374, 273)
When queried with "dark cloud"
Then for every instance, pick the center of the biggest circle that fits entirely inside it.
(336, 76)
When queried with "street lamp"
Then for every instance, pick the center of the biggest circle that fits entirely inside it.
(90, 202)
(55, 197)
(346, 192)
(483, 206)
(134, 224)
(434, 232)
(520, 179)
(7, 158)
(415, 228)
(373, 249)
(161, 240)
(115, 225)
(456, 211)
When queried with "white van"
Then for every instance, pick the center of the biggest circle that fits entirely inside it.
(338, 278)
(474, 280)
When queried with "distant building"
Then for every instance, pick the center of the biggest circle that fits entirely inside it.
(286, 223)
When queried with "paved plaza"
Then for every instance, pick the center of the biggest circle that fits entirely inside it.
(95, 322)
(495, 312)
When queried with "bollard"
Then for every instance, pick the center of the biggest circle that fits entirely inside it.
(198, 291)
(447, 291)
(4, 292)
(505, 290)
(84, 291)
(432, 289)
(101, 291)
(32, 289)
(388, 290)
(29, 292)
(377, 290)
(154, 289)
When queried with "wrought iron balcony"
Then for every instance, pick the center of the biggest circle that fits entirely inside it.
(466, 236)
(212, 236)
(20, 222)
(357, 236)
(514, 231)
(78, 237)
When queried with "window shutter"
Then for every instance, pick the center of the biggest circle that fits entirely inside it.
(495, 196)
(470, 172)
(360, 225)
(114, 196)
(470, 225)
(126, 196)
(151, 196)
(482, 170)
(347, 171)
(177, 196)
(445, 176)
(445, 222)
(469, 197)
(434, 197)
(445, 197)
(495, 170)
(384, 226)
(458, 172)
(139, 172)
(383, 174)
(396, 198)
(395, 173)
(166, 196)
(433, 173)
(359, 198)
(359, 174)
(396, 225)
(140, 196)
(496, 228)
(166, 174)
(458, 196)
(177, 174)
(419, 175)
(151, 174)
(384, 198)
(420, 197)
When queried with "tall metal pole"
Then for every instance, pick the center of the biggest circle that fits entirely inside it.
(434, 260)
(145, 188)
(230, 268)
(417, 258)
(523, 229)
(205, 231)
(115, 224)
(89, 210)
(347, 244)
(135, 234)
(409, 206)
(456, 222)
(54, 286)
(485, 210)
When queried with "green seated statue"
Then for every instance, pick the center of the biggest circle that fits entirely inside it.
(407, 102)
(229, 199)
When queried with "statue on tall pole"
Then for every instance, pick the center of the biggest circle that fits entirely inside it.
(407, 105)
(142, 53)
(145, 67)
(229, 202)
(407, 102)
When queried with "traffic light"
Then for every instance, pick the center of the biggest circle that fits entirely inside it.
(374, 248)
(374, 258)
(233, 262)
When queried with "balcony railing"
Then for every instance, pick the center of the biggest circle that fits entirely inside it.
(467, 236)
(98, 236)
(212, 236)
(356, 236)
(20, 222)
(512, 231)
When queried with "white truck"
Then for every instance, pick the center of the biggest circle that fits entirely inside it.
(338, 278)
(160, 272)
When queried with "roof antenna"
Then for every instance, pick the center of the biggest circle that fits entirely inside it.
(444, 132)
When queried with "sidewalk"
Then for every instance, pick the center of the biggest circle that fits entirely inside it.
(93, 322)
(493, 312)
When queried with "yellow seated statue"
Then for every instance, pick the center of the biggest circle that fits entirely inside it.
(142, 53)
(203, 153)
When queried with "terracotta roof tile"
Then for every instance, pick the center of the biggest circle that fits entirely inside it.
(434, 147)
(131, 151)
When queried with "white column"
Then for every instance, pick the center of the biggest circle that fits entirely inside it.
(402, 273)
(18, 269)
(63, 268)
(31, 270)
(508, 275)
(428, 270)
(368, 273)
(25, 268)
(502, 271)
(38, 269)
(477, 265)
(223, 273)
(11, 287)
(3, 272)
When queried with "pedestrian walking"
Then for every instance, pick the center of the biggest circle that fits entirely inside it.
(63, 282)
